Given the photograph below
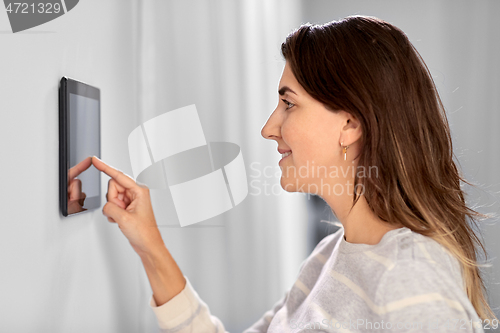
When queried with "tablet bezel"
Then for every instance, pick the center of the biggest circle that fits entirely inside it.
(71, 86)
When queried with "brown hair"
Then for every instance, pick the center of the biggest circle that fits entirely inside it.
(369, 68)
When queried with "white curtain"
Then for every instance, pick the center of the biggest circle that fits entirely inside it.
(224, 56)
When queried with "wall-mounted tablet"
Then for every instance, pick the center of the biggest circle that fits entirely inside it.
(79, 140)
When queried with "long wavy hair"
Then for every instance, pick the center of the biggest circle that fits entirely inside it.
(369, 68)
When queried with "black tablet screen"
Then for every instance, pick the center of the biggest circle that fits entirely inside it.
(84, 140)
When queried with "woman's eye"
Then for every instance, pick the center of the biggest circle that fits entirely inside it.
(288, 104)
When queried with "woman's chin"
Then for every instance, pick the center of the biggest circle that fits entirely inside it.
(287, 186)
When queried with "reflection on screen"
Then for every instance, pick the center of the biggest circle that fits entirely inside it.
(84, 139)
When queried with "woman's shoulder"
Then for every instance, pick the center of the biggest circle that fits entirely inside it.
(405, 247)
(424, 278)
(400, 250)
(414, 249)
(420, 264)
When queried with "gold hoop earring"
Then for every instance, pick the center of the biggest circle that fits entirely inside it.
(344, 150)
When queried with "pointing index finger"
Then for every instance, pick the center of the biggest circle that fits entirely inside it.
(121, 178)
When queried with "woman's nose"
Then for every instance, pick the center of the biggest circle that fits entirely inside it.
(271, 129)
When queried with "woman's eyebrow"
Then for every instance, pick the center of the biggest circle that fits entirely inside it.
(284, 89)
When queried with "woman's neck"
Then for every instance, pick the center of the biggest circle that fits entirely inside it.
(361, 225)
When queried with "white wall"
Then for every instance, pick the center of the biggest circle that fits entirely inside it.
(79, 274)
(460, 43)
(75, 274)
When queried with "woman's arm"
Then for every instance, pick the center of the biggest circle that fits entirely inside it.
(175, 303)
(165, 277)
(129, 205)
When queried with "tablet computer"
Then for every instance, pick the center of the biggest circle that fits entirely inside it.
(79, 140)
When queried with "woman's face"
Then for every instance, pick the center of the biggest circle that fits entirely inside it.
(312, 133)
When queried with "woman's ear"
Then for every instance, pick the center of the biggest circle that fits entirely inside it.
(350, 130)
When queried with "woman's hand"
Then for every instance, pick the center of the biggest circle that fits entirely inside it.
(129, 205)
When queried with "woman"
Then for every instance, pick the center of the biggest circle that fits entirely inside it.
(358, 109)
